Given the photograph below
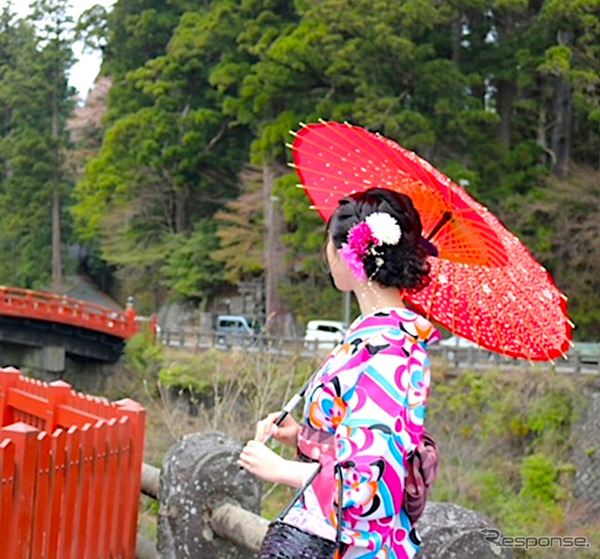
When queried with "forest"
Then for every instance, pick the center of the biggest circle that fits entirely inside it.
(170, 180)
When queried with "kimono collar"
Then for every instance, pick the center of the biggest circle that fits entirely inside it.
(413, 324)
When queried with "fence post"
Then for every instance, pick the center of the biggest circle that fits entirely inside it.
(72, 492)
(577, 369)
(40, 530)
(9, 377)
(7, 494)
(57, 488)
(25, 439)
(58, 393)
(137, 417)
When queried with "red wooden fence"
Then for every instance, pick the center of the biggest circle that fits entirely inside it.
(70, 467)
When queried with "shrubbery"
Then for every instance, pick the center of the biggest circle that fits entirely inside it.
(505, 438)
(505, 442)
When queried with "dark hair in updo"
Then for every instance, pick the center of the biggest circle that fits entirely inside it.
(405, 265)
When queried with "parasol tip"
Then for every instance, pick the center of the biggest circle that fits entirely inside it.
(293, 133)
(292, 165)
(303, 124)
(300, 186)
(289, 146)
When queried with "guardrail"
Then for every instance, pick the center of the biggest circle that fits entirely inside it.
(194, 339)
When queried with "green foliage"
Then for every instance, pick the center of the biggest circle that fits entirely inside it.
(539, 476)
(561, 223)
(190, 271)
(195, 374)
(35, 101)
(505, 441)
(143, 355)
(232, 390)
(201, 90)
(137, 375)
(241, 231)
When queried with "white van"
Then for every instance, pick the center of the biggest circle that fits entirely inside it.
(324, 333)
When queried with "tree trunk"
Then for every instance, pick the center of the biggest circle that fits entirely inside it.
(456, 38)
(563, 112)
(181, 213)
(561, 132)
(56, 243)
(274, 251)
(542, 128)
(56, 238)
(507, 91)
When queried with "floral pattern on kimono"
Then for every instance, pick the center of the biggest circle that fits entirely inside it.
(370, 397)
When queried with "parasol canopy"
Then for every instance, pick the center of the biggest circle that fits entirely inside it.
(485, 285)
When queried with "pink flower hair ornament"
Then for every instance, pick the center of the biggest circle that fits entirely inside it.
(377, 229)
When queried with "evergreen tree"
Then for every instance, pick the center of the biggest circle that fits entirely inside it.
(498, 94)
(35, 100)
(55, 40)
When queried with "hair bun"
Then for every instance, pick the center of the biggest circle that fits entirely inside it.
(402, 264)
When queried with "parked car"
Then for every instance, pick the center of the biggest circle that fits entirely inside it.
(456, 345)
(588, 352)
(324, 333)
(458, 342)
(235, 329)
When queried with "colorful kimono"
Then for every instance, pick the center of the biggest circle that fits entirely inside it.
(364, 412)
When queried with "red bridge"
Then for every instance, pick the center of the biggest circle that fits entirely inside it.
(44, 320)
(24, 303)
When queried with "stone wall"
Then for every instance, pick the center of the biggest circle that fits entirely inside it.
(586, 456)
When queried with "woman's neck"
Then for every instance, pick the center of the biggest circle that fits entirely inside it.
(371, 297)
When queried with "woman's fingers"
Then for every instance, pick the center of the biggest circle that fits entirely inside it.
(265, 426)
(286, 433)
(260, 461)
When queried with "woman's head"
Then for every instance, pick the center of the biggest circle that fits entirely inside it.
(400, 263)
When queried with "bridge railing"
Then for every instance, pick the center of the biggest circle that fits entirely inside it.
(70, 468)
(65, 310)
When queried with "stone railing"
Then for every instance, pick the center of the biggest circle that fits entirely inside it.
(209, 507)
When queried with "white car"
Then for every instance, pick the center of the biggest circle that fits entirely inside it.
(457, 346)
(458, 342)
(324, 334)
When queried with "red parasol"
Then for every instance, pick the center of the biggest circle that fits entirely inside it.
(485, 285)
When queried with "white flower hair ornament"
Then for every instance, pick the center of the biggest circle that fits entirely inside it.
(364, 238)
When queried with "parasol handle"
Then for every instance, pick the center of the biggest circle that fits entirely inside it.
(446, 217)
(289, 407)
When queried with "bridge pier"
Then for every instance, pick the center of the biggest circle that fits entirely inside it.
(50, 364)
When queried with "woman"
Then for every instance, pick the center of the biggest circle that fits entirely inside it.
(365, 407)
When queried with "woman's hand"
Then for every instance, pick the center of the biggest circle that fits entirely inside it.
(261, 461)
(286, 433)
